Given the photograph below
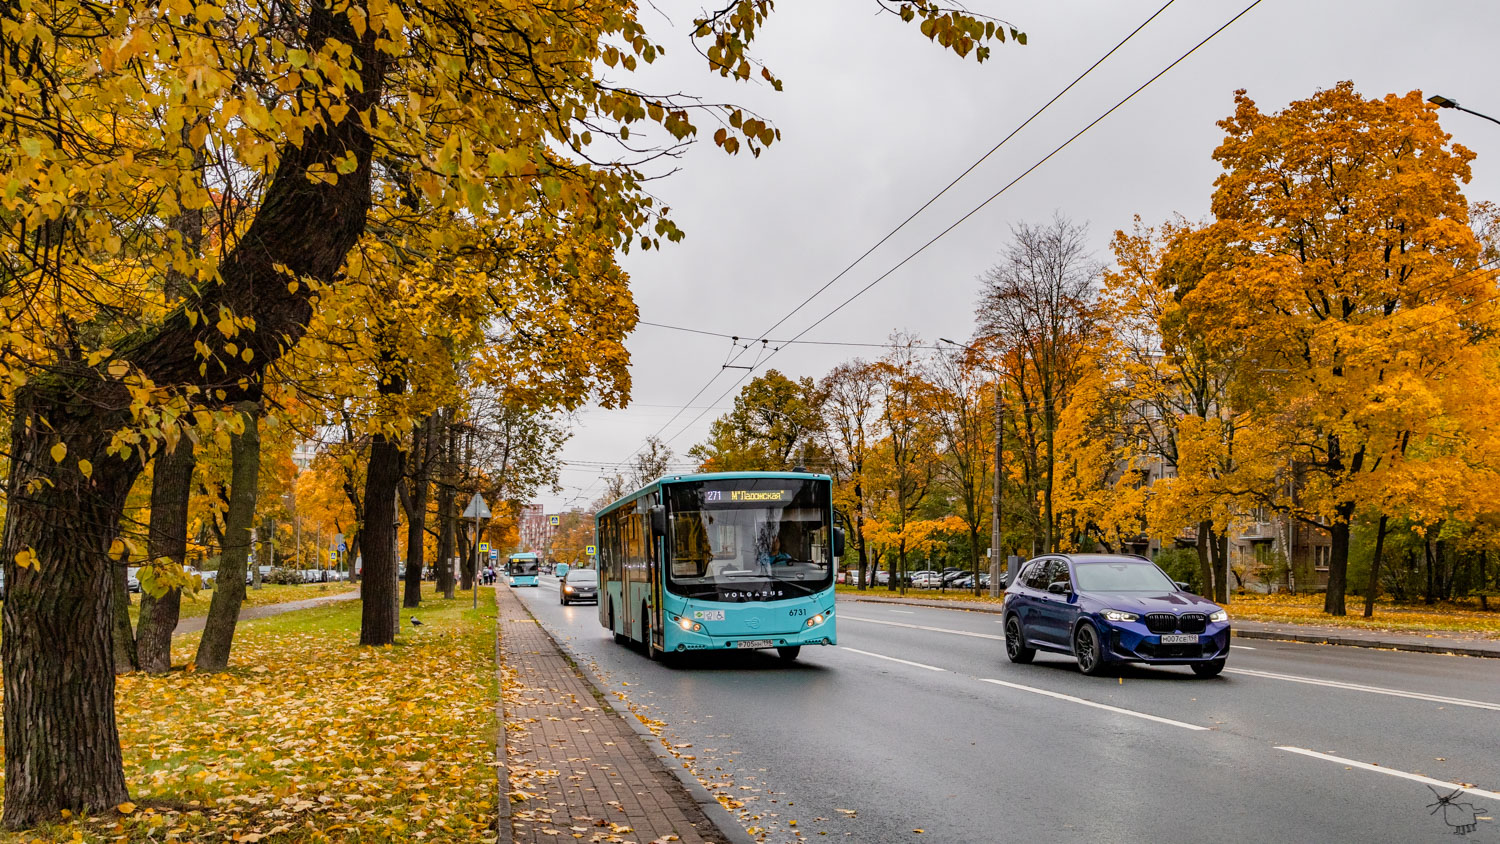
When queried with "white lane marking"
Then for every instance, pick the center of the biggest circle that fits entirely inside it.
(922, 627)
(904, 612)
(1365, 766)
(1374, 690)
(1060, 696)
(1035, 690)
(1242, 647)
(893, 659)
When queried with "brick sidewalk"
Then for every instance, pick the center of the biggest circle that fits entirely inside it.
(586, 774)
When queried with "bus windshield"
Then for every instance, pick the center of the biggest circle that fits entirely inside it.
(755, 539)
(521, 568)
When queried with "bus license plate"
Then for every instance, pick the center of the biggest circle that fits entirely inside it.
(762, 643)
(1179, 639)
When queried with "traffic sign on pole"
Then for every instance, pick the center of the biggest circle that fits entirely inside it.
(554, 520)
(590, 550)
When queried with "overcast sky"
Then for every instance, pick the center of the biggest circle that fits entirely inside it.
(875, 120)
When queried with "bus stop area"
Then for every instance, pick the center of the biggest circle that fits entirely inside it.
(573, 768)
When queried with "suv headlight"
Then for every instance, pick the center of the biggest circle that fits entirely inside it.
(1221, 615)
(1120, 615)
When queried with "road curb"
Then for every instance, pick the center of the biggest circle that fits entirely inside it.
(1271, 635)
(726, 823)
(1374, 644)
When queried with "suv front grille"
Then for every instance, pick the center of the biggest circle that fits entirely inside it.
(1161, 622)
(1193, 622)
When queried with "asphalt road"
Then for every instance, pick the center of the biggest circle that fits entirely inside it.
(916, 721)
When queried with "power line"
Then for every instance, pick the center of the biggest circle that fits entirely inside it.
(992, 150)
(909, 218)
(1059, 148)
(738, 337)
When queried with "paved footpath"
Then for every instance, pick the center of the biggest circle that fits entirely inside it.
(1310, 633)
(578, 771)
(193, 625)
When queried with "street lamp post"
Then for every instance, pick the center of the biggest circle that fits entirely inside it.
(995, 544)
(1443, 102)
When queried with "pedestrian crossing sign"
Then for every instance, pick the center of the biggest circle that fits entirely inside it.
(554, 520)
(484, 547)
(590, 550)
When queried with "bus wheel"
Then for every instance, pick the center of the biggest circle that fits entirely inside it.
(789, 652)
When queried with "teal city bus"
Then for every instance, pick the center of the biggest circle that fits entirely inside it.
(732, 560)
(523, 569)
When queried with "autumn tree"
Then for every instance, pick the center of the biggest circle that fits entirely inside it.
(967, 436)
(1355, 290)
(775, 426)
(908, 452)
(1035, 309)
(851, 428)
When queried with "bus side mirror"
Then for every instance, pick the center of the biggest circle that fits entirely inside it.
(838, 542)
(658, 520)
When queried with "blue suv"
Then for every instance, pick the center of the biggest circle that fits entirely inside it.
(1105, 608)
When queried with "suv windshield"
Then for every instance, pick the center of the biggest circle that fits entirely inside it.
(1122, 577)
(582, 576)
(753, 539)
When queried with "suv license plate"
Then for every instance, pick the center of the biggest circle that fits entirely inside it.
(766, 643)
(1179, 639)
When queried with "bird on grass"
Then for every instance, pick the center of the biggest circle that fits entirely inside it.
(415, 622)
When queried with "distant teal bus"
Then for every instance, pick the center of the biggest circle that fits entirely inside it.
(730, 560)
(523, 569)
(560, 570)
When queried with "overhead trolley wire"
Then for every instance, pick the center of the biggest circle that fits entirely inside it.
(992, 197)
(935, 197)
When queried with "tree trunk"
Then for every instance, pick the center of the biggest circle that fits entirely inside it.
(171, 485)
(229, 590)
(62, 750)
(1429, 596)
(1221, 569)
(416, 513)
(1338, 560)
(1372, 586)
(1205, 565)
(379, 618)
(466, 555)
(124, 637)
(446, 508)
(1484, 580)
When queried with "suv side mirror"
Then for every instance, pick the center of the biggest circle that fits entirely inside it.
(1181, 586)
(838, 542)
(1059, 587)
(658, 520)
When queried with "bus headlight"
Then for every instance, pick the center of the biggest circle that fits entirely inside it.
(689, 625)
(815, 620)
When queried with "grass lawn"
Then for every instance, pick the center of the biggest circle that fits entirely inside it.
(1453, 618)
(310, 738)
(196, 605)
